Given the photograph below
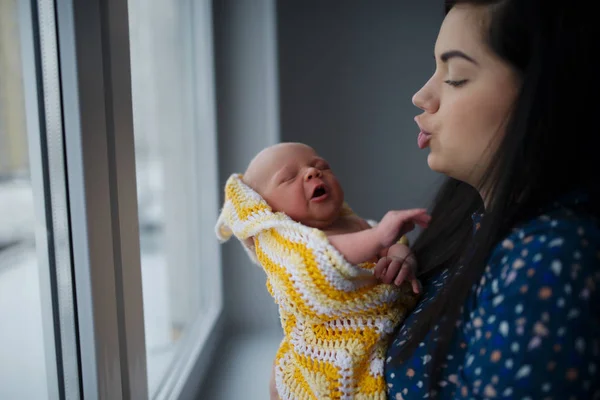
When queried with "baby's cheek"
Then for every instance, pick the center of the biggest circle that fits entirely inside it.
(293, 208)
(278, 200)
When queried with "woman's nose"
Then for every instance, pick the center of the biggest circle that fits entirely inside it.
(312, 173)
(426, 99)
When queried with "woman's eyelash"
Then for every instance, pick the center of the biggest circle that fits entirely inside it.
(456, 83)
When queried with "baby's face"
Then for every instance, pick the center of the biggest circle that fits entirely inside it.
(293, 179)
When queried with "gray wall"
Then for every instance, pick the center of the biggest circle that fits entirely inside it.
(346, 71)
(247, 121)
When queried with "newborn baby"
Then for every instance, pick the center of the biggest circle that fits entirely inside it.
(293, 179)
(328, 270)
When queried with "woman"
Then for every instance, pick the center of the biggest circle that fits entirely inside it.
(510, 261)
(510, 307)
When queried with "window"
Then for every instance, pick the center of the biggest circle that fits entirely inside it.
(173, 120)
(38, 354)
(110, 282)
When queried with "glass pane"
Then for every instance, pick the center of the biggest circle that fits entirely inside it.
(166, 160)
(24, 339)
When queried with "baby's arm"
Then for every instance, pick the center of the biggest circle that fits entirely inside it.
(359, 247)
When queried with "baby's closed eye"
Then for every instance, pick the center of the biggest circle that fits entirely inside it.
(286, 176)
(323, 165)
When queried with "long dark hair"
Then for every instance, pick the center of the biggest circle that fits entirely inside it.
(547, 151)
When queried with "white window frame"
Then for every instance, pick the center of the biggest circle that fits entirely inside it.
(200, 342)
(95, 87)
(47, 160)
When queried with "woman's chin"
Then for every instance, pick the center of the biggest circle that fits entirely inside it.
(434, 162)
(438, 164)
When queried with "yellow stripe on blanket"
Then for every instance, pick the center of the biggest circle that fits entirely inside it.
(336, 317)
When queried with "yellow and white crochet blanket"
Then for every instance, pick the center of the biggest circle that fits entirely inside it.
(335, 316)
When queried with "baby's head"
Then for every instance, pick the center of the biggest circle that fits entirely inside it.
(293, 179)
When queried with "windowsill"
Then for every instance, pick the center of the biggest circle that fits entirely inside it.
(194, 355)
(242, 367)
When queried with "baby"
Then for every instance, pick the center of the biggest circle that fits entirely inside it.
(293, 179)
(335, 314)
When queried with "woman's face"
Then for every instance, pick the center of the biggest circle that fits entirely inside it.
(467, 101)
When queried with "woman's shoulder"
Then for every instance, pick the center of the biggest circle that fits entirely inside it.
(558, 248)
(562, 228)
(533, 321)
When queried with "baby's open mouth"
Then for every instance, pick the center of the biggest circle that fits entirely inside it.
(319, 191)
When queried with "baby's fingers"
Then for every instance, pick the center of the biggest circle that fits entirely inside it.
(391, 271)
(381, 267)
(402, 275)
(416, 286)
(422, 220)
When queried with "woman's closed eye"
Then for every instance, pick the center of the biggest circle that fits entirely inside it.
(456, 83)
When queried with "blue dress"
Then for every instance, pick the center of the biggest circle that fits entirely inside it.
(530, 328)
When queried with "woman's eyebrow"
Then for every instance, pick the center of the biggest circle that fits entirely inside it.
(456, 54)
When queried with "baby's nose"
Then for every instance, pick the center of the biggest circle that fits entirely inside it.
(312, 173)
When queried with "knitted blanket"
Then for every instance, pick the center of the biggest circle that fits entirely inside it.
(336, 316)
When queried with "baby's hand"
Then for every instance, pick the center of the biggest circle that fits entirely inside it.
(395, 224)
(398, 267)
